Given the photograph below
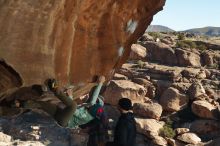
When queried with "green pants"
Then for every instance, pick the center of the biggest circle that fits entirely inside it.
(64, 115)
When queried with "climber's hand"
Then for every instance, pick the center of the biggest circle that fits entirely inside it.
(69, 92)
(101, 79)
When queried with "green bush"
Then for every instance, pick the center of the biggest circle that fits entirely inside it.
(181, 36)
(167, 130)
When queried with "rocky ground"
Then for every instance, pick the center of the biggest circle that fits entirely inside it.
(173, 81)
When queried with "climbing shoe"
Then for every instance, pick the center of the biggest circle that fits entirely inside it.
(52, 84)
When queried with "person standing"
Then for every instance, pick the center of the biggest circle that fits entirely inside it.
(125, 131)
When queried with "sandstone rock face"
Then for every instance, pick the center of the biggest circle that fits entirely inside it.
(124, 89)
(70, 40)
(172, 100)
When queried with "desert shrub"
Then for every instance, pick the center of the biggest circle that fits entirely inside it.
(140, 63)
(191, 44)
(167, 130)
(181, 36)
(202, 47)
(186, 44)
(181, 44)
(155, 35)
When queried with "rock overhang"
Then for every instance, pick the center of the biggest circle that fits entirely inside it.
(70, 40)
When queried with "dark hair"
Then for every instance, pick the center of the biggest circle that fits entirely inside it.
(125, 104)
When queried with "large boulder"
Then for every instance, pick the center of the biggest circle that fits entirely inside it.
(161, 86)
(196, 90)
(138, 52)
(160, 53)
(211, 58)
(189, 138)
(151, 110)
(162, 72)
(203, 109)
(72, 41)
(147, 85)
(149, 127)
(172, 100)
(207, 58)
(124, 89)
(187, 58)
(192, 73)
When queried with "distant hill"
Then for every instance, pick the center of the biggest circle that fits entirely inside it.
(209, 31)
(159, 28)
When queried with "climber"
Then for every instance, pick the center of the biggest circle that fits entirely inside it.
(72, 116)
(125, 131)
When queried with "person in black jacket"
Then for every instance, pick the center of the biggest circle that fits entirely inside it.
(125, 131)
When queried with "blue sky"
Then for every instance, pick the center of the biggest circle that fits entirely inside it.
(186, 14)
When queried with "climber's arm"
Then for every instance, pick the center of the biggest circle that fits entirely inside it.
(97, 90)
